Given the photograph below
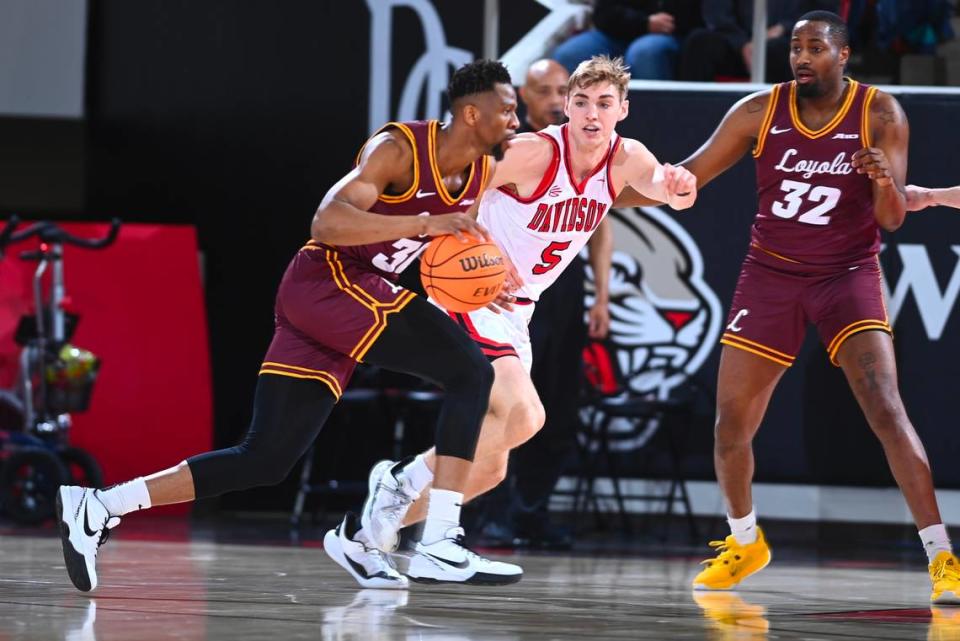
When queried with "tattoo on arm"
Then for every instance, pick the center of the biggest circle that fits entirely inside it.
(884, 113)
(755, 105)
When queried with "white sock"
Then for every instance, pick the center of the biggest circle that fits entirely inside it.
(126, 497)
(418, 473)
(443, 513)
(935, 540)
(744, 529)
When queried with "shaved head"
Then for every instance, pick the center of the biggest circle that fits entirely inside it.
(543, 93)
(542, 70)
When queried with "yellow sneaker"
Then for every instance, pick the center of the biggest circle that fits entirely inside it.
(732, 617)
(945, 575)
(733, 563)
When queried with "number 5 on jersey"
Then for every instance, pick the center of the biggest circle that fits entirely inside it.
(550, 257)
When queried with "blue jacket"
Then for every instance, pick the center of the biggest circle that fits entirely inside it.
(734, 18)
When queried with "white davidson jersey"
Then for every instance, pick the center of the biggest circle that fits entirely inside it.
(542, 233)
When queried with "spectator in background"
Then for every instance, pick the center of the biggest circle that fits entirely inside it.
(913, 27)
(544, 94)
(647, 33)
(725, 48)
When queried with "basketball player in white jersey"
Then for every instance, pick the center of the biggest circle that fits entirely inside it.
(547, 196)
(922, 197)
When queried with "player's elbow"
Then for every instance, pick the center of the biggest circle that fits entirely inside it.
(892, 222)
(321, 228)
(891, 225)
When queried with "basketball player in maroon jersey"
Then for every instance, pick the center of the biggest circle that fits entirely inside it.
(831, 158)
(556, 187)
(338, 305)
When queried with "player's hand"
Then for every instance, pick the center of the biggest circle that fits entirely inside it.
(873, 162)
(661, 23)
(512, 281)
(504, 300)
(680, 184)
(918, 198)
(460, 225)
(598, 321)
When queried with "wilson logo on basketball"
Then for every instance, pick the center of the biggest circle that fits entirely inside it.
(471, 263)
(462, 277)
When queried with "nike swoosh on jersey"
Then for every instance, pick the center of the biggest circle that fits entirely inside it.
(424, 194)
(776, 131)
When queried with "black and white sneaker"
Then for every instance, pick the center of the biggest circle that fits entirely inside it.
(368, 566)
(389, 496)
(450, 561)
(84, 526)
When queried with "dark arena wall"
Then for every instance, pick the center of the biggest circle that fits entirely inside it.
(236, 118)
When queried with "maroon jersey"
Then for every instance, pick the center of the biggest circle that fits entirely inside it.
(426, 196)
(814, 208)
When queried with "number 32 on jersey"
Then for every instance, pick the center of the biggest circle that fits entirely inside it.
(800, 193)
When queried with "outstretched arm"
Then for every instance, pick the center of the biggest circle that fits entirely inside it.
(885, 161)
(343, 217)
(736, 134)
(601, 257)
(639, 168)
(922, 197)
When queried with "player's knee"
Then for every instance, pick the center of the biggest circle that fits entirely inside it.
(886, 415)
(526, 419)
(266, 466)
(733, 425)
(473, 375)
(483, 370)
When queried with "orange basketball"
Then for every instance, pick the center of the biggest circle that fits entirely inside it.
(462, 277)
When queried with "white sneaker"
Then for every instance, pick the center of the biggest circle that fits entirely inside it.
(84, 526)
(367, 565)
(389, 496)
(450, 561)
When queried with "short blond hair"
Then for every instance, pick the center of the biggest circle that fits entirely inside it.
(600, 69)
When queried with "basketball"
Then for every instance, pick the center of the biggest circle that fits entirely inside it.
(460, 276)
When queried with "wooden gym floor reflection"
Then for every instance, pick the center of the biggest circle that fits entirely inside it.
(205, 590)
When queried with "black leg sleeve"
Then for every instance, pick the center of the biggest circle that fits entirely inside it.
(423, 341)
(287, 416)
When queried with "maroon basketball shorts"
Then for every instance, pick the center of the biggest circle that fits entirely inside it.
(329, 312)
(775, 300)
